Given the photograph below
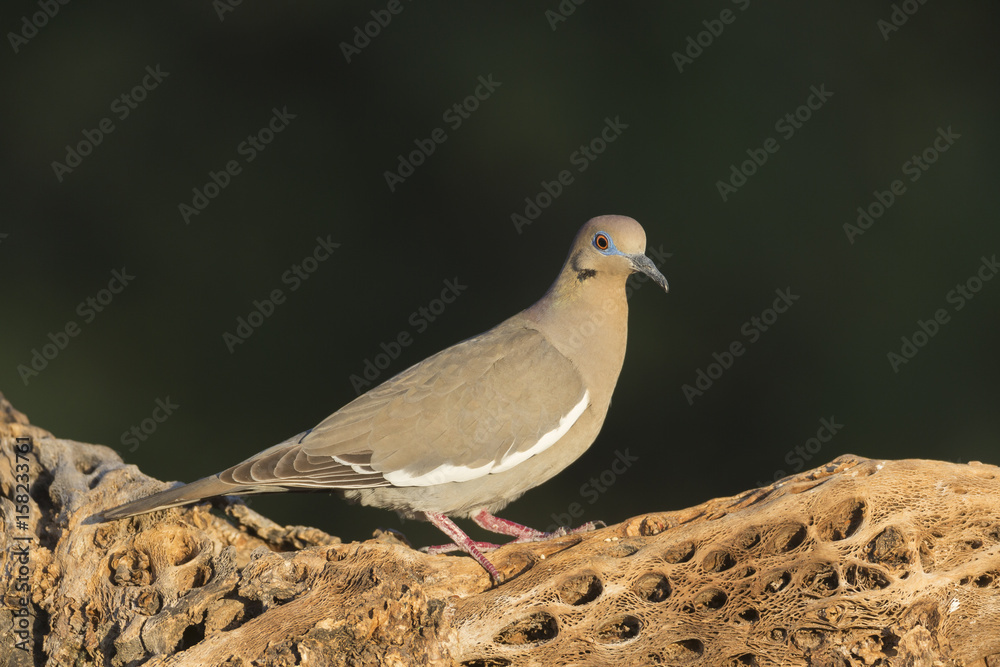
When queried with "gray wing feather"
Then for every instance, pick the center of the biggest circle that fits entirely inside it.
(468, 405)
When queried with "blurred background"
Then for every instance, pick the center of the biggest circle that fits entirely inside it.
(120, 121)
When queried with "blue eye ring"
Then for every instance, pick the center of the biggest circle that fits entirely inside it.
(602, 241)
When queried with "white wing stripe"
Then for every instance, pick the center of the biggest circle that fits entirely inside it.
(360, 469)
(450, 473)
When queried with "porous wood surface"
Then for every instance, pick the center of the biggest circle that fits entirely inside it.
(857, 562)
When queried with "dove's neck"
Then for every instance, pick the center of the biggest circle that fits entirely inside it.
(586, 319)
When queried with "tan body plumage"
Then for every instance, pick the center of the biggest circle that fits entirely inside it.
(473, 427)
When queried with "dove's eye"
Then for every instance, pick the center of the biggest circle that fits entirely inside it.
(602, 242)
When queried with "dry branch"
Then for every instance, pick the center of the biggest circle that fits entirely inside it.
(857, 562)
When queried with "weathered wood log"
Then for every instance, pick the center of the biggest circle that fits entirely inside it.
(857, 562)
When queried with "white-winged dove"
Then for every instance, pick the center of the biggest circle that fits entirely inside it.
(471, 428)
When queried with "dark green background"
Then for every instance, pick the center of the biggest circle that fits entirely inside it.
(323, 175)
